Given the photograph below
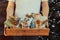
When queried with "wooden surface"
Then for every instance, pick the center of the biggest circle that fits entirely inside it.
(26, 32)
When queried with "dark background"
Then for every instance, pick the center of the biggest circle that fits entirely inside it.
(54, 19)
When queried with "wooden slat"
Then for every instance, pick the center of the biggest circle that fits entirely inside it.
(26, 32)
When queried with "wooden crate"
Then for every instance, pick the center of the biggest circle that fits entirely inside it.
(26, 32)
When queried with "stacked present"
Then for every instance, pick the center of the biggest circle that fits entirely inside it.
(34, 20)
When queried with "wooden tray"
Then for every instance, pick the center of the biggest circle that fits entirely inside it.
(26, 32)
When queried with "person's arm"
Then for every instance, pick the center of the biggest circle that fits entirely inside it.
(10, 9)
(45, 8)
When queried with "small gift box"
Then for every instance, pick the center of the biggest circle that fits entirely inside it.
(11, 22)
